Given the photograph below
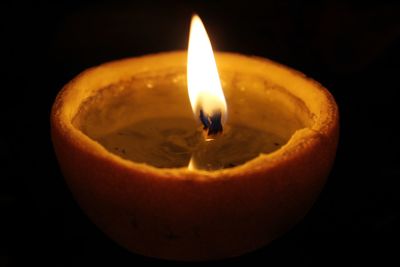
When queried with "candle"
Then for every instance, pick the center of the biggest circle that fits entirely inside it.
(164, 183)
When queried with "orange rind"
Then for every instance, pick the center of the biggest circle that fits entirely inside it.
(184, 214)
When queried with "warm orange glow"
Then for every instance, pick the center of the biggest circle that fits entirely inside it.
(204, 85)
(191, 164)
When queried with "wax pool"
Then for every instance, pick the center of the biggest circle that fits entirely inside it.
(173, 142)
(148, 119)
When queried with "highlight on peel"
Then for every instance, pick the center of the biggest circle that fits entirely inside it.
(183, 214)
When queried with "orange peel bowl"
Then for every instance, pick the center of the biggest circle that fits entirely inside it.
(182, 214)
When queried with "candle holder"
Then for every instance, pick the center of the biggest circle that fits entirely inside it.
(181, 214)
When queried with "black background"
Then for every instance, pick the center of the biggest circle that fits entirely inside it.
(352, 48)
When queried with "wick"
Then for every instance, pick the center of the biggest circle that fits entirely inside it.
(211, 123)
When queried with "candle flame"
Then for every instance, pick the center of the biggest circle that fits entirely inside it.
(204, 85)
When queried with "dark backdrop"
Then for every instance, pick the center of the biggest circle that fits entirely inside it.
(350, 47)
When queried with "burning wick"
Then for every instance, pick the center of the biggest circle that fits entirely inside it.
(211, 123)
(203, 82)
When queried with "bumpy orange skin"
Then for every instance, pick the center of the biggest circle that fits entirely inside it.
(195, 215)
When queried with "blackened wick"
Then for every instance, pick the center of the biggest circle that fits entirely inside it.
(212, 123)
